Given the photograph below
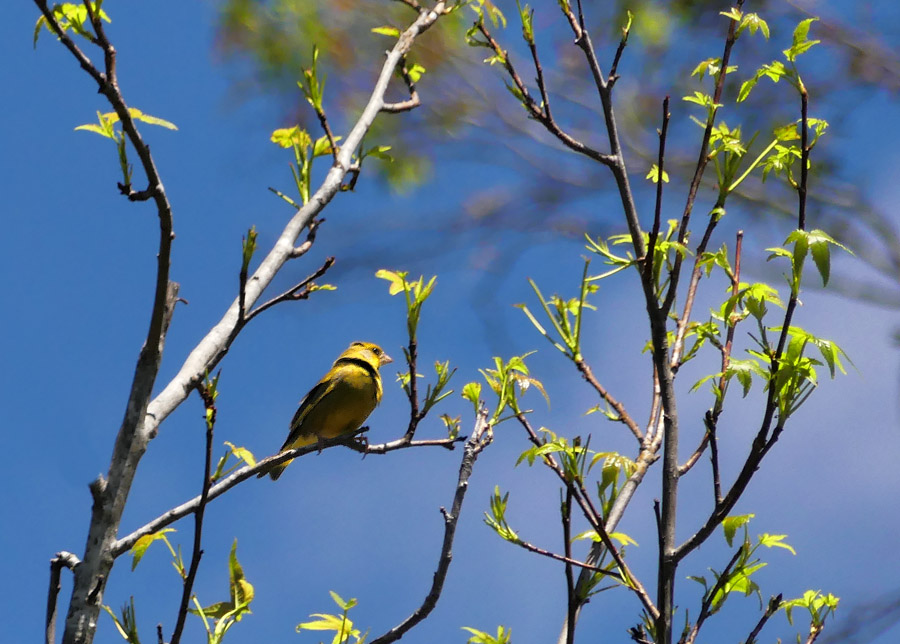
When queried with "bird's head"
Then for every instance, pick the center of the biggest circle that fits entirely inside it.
(368, 352)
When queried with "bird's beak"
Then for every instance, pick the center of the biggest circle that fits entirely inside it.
(385, 359)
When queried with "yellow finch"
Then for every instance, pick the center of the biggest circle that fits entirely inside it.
(341, 402)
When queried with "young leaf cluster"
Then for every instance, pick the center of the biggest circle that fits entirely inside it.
(738, 577)
(217, 618)
(564, 315)
(305, 150)
(508, 380)
(72, 17)
(341, 624)
(107, 127)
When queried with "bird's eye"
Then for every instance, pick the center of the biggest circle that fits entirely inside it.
(377, 351)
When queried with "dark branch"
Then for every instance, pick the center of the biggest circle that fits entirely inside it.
(209, 406)
(481, 437)
(299, 291)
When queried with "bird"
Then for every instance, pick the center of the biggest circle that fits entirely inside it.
(340, 403)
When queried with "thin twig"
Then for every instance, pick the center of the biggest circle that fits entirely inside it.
(568, 560)
(299, 291)
(542, 86)
(571, 598)
(804, 157)
(413, 101)
(814, 631)
(711, 418)
(613, 70)
(415, 416)
(323, 121)
(209, 406)
(763, 441)
(657, 210)
(712, 429)
(771, 609)
(402, 442)
(481, 437)
(631, 581)
(535, 110)
(302, 249)
(706, 606)
(617, 406)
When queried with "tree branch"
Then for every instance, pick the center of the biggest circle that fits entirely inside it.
(62, 559)
(218, 488)
(143, 416)
(771, 609)
(708, 600)
(209, 406)
(619, 408)
(481, 437)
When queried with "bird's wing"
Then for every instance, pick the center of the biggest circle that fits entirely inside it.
(310, 400)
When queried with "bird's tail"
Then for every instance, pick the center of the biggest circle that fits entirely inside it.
(274, 471)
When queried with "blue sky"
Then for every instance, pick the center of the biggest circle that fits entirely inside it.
(79, 270)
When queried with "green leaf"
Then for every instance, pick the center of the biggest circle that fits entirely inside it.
(800, 44)
(731, 524)
(139, 549)
(242, 453)
(753, 22)
(97, 129)
(152, 120)
(775, 541)
(653, 175)
(480, 637)
(472, 392)
(387, 31)
(397, 280)
(322, 146)
(415, 72)
(288, 137)
(526, 15)
(379, 152)
(344, 605)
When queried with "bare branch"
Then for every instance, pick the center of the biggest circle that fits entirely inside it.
(535, 110)
(218, 488)
(481, 437)
(617, 406)
(771, 609)
(402, 443)
(62, 559)
(571, 597)
(413, 101)
(299, 291)
(613, 70)
(209, 406)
